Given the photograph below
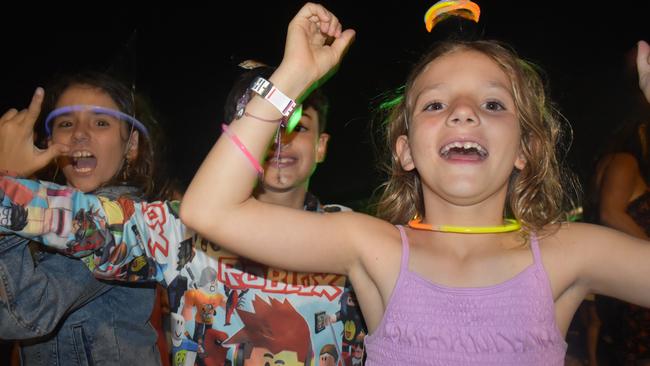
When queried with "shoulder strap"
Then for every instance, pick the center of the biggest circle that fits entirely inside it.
(405, 248)
(534, 245)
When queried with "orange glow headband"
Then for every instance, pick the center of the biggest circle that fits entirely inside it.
(446, 8)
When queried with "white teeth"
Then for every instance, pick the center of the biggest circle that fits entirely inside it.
(463, 145)
(81, 154)
(82, 170)
(283, 160)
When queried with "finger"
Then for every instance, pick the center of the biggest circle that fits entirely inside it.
(310, 10)
(342, 43)
(333, 26)
(20, 115)
(34, 108)
(643, 55)
(45, 156)
(338, 31)
(9, 114)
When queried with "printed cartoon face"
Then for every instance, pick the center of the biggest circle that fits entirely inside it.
(179, 358)
(207, 312)
(326, 360)
(178, 328)
(357, 351)
(351, 300)
(208, 282)
(14, 217)
(5, 217)
(98, 142)
(300, 152)
(138, 263)
(349, 330)
(263, 357)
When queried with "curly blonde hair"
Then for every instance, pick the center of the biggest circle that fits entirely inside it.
(536, 194)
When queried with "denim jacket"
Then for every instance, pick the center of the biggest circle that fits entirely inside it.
(64, 316)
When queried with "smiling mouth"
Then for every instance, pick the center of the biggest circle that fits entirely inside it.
(282, 161)
(83, 161)
(464, 150)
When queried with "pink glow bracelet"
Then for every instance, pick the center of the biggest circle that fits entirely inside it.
(240, 145)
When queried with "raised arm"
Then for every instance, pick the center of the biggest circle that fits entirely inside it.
(218, 202)
(643, 67)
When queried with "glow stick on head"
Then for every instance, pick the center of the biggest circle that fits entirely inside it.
(446, 8)
(96, 110)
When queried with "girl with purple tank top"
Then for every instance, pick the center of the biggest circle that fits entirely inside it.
(512, 323)
(472, 137)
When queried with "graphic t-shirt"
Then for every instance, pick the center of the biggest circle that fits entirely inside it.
(225, 309)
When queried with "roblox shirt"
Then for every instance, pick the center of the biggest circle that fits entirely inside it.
(225, 310)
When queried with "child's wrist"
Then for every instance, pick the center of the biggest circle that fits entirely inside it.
(291, 83)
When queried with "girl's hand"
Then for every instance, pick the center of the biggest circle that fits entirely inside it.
(643, 68)
(315, 44)
(17, 151)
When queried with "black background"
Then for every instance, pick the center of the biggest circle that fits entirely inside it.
(183, 58)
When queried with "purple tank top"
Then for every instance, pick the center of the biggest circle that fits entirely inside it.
(512, 323)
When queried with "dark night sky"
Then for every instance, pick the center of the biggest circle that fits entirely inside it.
(182, 59)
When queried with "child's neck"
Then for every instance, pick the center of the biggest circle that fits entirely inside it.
(293, 197)
(483, 214)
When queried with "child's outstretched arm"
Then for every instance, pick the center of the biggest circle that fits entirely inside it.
(218, 202)
(609, 262)
(109, 234)
(643, 67)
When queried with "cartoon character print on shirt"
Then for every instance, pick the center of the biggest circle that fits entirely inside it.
(214, 352)
(354, 328)
(108, 238)
(13, 216)
(328, 356)
(48, 222)
(273, 334)
(235, 300)
(205, 300)
(158, 248)
(184, 350)
(243, 284)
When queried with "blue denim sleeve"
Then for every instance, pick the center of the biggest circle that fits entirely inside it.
(34, 298)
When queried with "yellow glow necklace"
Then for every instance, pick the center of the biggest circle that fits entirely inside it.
(508, 226)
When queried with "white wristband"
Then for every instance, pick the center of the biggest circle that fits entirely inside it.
(268, 91)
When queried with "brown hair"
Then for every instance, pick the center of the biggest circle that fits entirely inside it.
(276, 326)
(535, 194)
(141, 171)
